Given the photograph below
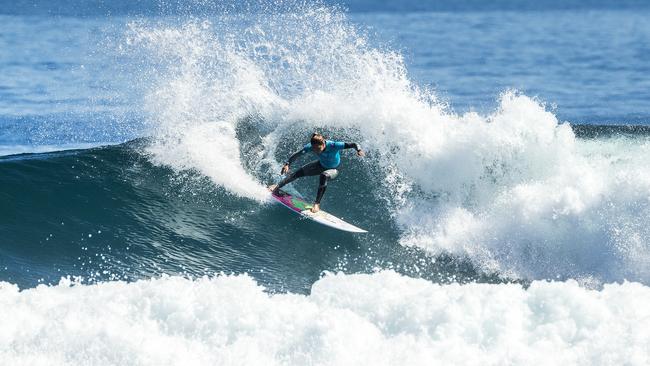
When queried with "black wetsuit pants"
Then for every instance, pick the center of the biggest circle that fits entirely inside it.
(310, 169)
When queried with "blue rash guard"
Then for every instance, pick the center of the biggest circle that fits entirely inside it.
(330, 158)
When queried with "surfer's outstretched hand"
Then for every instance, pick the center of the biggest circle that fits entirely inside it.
(285, 169)
(361, 153)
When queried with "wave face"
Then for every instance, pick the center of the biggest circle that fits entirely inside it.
(110, 214)
(383, 319)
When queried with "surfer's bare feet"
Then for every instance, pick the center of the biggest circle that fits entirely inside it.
(315, 208)
(273, 187)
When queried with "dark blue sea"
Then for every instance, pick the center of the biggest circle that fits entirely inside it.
(505, 187)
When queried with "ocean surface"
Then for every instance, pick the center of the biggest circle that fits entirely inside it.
(506, 186)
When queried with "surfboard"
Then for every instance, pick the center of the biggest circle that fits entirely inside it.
(298, 204)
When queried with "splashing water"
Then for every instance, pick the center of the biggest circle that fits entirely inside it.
(514, 191)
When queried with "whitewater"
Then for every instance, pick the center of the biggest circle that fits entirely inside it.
(499, 236)
(382, 319)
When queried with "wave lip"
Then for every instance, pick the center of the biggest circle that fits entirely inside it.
(382, 318)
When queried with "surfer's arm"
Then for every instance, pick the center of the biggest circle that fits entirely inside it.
(353, 145)
(293, 157)
(297, 154)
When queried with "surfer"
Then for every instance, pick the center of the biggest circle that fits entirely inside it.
(329, 158)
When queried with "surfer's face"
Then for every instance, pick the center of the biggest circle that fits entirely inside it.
(318, 148)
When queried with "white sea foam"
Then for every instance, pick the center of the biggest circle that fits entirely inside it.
(514, 190)
(195, 106)
(379, 319)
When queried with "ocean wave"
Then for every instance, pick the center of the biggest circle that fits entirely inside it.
(514, 190)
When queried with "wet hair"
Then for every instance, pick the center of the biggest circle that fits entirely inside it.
(317, 139)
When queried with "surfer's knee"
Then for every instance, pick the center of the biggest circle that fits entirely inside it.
(297, 174)
(327, 175)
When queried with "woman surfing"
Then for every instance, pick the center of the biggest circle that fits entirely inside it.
(329, 158)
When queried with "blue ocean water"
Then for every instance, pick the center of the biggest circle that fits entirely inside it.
(505, 188)
(588, 64)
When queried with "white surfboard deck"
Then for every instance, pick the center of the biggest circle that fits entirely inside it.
(298, 204)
